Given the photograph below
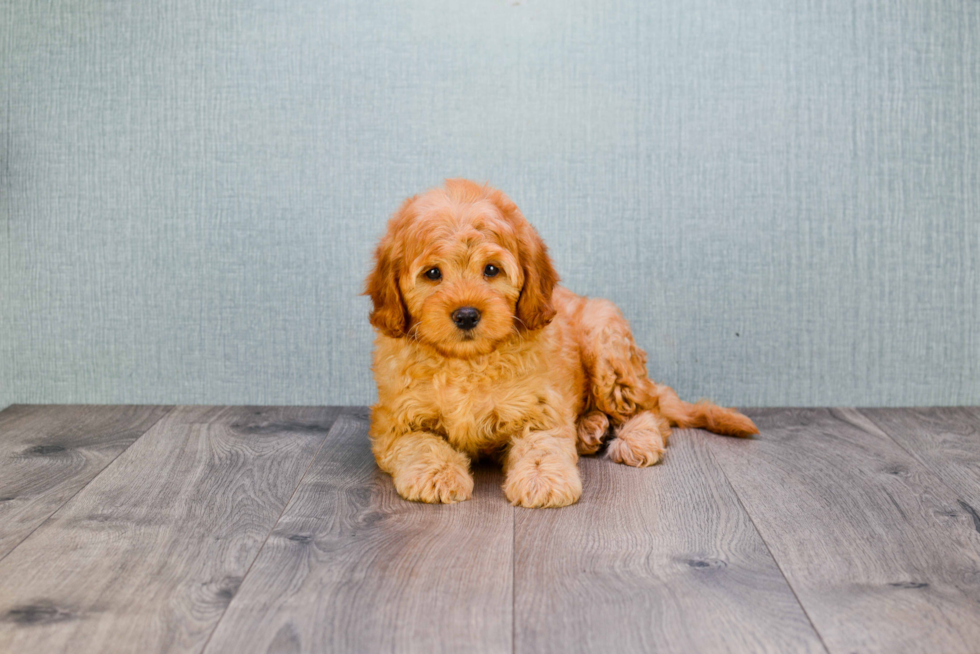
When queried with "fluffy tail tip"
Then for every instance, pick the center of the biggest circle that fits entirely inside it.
(729, 422)
(743, 426)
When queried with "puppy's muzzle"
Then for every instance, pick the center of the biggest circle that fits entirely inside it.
(466, 318)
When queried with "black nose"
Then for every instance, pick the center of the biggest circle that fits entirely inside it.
(466, 317)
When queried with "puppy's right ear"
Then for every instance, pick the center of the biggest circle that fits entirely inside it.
(389, 315)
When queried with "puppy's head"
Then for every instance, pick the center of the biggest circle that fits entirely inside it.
(461, 270)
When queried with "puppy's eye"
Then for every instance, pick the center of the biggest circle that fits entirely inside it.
(434, 274)
(491, 270)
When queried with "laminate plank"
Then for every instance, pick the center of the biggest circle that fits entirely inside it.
(944, 439)
(49, 452)
(352, 567)
(876, 547)
(148, 555)
(659, 559)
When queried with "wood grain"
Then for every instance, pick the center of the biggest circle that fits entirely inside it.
(876, 547)
(351, 567)
(148, 555)
(659, 559)
(254, 529)
(48, 453)
(944, 439)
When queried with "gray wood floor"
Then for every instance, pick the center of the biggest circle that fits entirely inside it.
(270, 529)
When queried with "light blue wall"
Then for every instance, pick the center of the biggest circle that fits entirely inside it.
(783, 197)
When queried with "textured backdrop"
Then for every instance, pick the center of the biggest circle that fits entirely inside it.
(783, 197)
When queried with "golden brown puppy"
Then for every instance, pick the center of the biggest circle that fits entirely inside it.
(480, 353)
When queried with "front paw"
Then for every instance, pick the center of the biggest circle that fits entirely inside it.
(538, 482)
(435, 482)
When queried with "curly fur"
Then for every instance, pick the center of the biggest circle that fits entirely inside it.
(545, 376)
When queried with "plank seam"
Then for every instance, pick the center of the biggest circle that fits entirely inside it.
(513, 579)
(86, 484)
(258, 553)
(772, 556)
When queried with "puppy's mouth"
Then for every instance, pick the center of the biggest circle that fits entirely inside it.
(469, 336)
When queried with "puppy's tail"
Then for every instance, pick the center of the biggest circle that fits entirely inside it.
(703, 415)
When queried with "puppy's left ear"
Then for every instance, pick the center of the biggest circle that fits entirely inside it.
(534, 307)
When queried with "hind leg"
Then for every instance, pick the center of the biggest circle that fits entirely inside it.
(592, 428)
(620, 388)
(641, 441)
(616, 367)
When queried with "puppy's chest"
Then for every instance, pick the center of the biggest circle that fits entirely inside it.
(480, 412)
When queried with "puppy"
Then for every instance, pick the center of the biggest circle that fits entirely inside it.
(480, 353)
